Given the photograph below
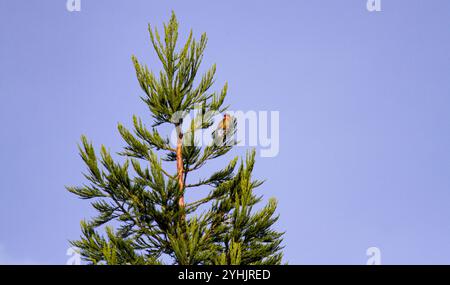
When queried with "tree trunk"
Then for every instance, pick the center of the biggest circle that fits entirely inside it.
(180, 168)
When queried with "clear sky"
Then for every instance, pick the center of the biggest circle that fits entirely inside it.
(364, 102)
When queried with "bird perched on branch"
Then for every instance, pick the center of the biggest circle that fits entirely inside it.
(226, 122)
(225, 129)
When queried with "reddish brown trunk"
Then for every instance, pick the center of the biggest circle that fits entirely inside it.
(180, 168)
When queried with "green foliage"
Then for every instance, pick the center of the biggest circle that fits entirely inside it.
(139, 217)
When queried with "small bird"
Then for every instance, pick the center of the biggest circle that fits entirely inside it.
(225, 124)
(224, 128)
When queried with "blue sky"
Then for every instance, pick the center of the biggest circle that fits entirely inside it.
(364, 116)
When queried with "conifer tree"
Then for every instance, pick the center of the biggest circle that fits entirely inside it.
(143, 217)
